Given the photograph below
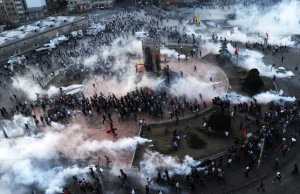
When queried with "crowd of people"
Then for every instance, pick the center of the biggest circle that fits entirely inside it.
(143, 101)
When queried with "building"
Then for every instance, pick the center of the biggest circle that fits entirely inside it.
(103, 4)
(24, 38)
(35, 9)
(17, 11)
(13, 9)
(86, 4)
(3, 15)
(79, 4)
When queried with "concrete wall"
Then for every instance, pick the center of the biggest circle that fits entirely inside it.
(26, 44)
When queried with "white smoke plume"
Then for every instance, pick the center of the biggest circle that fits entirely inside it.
(28, 161)
(262, 98)
(154, 161)
(90, 61)
(249, 59)
(123, 144)
(280, 22)
(118, 49)
(30, 88)
(169, 52)
(191, 87)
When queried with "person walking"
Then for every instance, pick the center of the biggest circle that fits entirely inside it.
(284, 149)
(295, 170)
(278, 177)
(247, 172)
(261, 186)
(177, 186)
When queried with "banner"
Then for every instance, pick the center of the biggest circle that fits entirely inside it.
(197, 18)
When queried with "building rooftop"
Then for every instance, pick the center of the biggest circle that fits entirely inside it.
(42, 26)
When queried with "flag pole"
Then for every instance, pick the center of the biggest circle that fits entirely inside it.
(237, 56)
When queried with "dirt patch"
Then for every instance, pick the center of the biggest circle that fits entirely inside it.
(193, 136)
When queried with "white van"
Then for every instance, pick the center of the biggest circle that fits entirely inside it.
(77, 34)
(141, 35)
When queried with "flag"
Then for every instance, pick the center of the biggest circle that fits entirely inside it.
(236, 52)
(149, 92)
(245, 133)
(267, 35)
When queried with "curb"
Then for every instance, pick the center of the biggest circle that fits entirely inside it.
(133, 155)
(218, 68)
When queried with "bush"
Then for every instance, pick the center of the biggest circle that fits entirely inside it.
(253, 81)
(219, 122)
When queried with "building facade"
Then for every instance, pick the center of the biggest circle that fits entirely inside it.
(103, 3)
(17, 11)
(85, 4)
(3, 14)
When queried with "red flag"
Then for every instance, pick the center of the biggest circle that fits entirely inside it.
(149, 92)
(245, 133)
(267, 35)
(236, 52)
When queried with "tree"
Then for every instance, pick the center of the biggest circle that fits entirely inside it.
(219, 122)
(253, 82)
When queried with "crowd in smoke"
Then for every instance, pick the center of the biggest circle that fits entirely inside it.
(21, 156)
(251, 59)
(27, 160)
(261, 98)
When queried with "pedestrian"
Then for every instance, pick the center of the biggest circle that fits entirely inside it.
(177, 186)
(226, 134)
(148, 128)
(261, 186)
(107, 160)
(104, 119)
(166, 129)
(147, 189)
(278, 177)
(276, 162)
(247, 172)
(195, 68)
(295, 170)
(220, 175)
(284, 149)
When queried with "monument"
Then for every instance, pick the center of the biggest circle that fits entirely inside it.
(151, 54)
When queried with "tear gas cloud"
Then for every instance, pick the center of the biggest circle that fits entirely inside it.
(152, 161)
(123, 144)
(252, 23)
(28, 160)
(168, 52)
(280, 22)
(249, 59)
(30, 88)
(118, 49)
(262, 98)
(191, 87)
